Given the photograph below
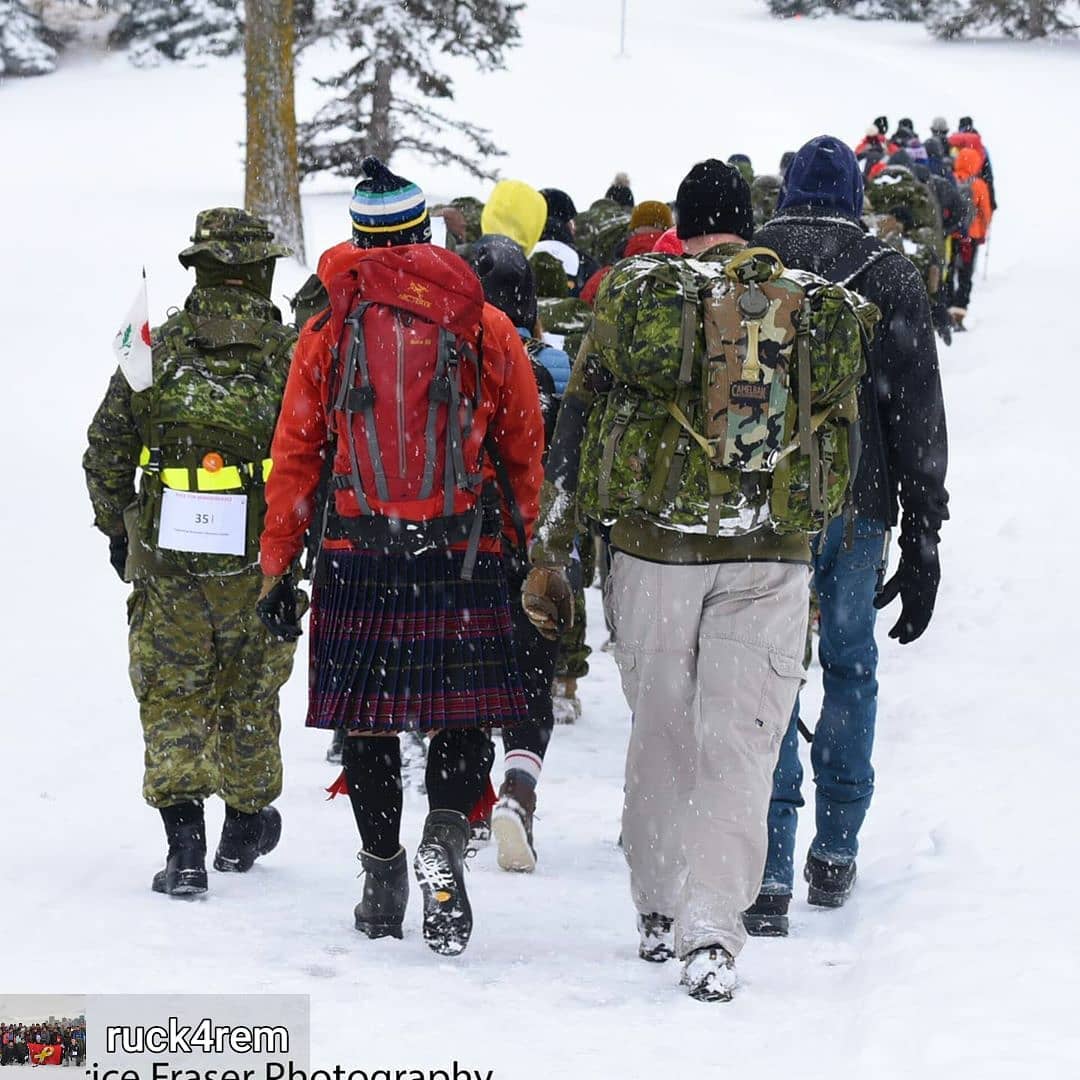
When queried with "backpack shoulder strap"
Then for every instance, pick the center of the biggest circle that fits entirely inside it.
(855, 260)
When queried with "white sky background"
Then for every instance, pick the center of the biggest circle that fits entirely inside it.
(30, 1008)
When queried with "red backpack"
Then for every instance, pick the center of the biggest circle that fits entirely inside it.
(406, 417)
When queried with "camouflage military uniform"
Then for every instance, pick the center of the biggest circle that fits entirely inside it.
(205, 671)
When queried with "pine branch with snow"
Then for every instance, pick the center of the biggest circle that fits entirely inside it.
(27, 45)
(386, 99)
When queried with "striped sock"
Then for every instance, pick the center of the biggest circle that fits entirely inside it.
(523, 765)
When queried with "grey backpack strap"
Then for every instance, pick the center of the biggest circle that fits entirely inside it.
(361, 399)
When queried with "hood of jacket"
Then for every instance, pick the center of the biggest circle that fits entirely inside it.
(824, 174)
(516, 210)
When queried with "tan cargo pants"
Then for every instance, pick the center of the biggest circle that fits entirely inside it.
(711, 662)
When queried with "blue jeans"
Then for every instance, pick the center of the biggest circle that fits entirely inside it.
(846, 581)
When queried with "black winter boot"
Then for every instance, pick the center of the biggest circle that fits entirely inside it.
(185, 867)
(440, 870)
(386, 895)
(768, 916)
(830, 883)
(244, 837)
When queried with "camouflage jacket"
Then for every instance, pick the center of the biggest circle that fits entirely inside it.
(559, 520)
(115, 438)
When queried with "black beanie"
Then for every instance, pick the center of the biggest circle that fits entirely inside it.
(620, 191)
(714, 198)
(507, 278)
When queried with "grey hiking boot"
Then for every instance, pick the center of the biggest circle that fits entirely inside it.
(656, 938)
(709, 974)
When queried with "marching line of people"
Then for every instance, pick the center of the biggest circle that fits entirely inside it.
(714, 401)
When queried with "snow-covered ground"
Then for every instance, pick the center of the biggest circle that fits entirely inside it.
(957, 955)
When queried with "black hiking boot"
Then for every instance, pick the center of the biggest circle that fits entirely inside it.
(185, 866)
(440, 870)
(768, 915)
(244, 837)
(386, 894)
(830, 883)
(656, 938)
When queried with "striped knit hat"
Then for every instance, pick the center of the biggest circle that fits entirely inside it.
(387, 210)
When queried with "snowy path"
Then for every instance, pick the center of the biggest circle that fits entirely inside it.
(957, 955)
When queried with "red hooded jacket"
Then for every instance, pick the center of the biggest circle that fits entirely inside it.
(508, 402)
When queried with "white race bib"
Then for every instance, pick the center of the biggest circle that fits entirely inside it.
(556, 341)
(206, 524)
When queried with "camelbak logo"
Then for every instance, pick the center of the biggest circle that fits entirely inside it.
(416, 293)
(748, 393)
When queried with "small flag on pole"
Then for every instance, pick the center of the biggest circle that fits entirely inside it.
(132, 343)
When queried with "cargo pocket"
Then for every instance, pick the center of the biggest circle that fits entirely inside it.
(783, 680)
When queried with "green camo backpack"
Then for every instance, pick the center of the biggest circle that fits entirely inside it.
(207, 423)
(565, 322)
(905, 215)
(600, 230)
(727, 394)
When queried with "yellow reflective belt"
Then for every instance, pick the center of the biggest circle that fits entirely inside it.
(226, 479)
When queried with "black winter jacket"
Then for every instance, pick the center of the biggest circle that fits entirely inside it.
(904, 445)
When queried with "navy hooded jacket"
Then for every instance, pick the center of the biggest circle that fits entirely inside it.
(824, 174)
(901, 411)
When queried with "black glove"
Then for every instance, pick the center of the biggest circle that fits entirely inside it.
(277, 610)
(916, 583)
(943, 323)
(118, 549)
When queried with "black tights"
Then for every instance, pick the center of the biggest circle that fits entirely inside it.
(458, 764)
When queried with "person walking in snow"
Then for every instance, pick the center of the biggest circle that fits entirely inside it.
(508, 285)
(410, 387)
(968, 168)
(902, 468)
(204, 670)
(708, 591)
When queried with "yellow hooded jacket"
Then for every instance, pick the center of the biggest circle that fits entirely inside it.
(515, 210)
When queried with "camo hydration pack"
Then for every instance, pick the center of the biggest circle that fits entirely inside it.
(907, 217)
(727, 394)
(599, 230)
(206, 425)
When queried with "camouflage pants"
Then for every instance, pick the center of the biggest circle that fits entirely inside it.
(573, 662)
(206, 674)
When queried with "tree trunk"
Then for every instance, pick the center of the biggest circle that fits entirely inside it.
(381, 132)
(272, 187)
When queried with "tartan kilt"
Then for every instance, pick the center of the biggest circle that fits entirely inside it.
(402, 643)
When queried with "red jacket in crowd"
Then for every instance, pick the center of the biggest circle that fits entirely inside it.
(509, 404)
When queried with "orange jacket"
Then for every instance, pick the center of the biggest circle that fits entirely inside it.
(967, 166)
(508, 400)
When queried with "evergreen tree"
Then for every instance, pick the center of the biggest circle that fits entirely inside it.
(900, 10)
(27, 46)
(154, 30)
(383, 98)
(1014, 18)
